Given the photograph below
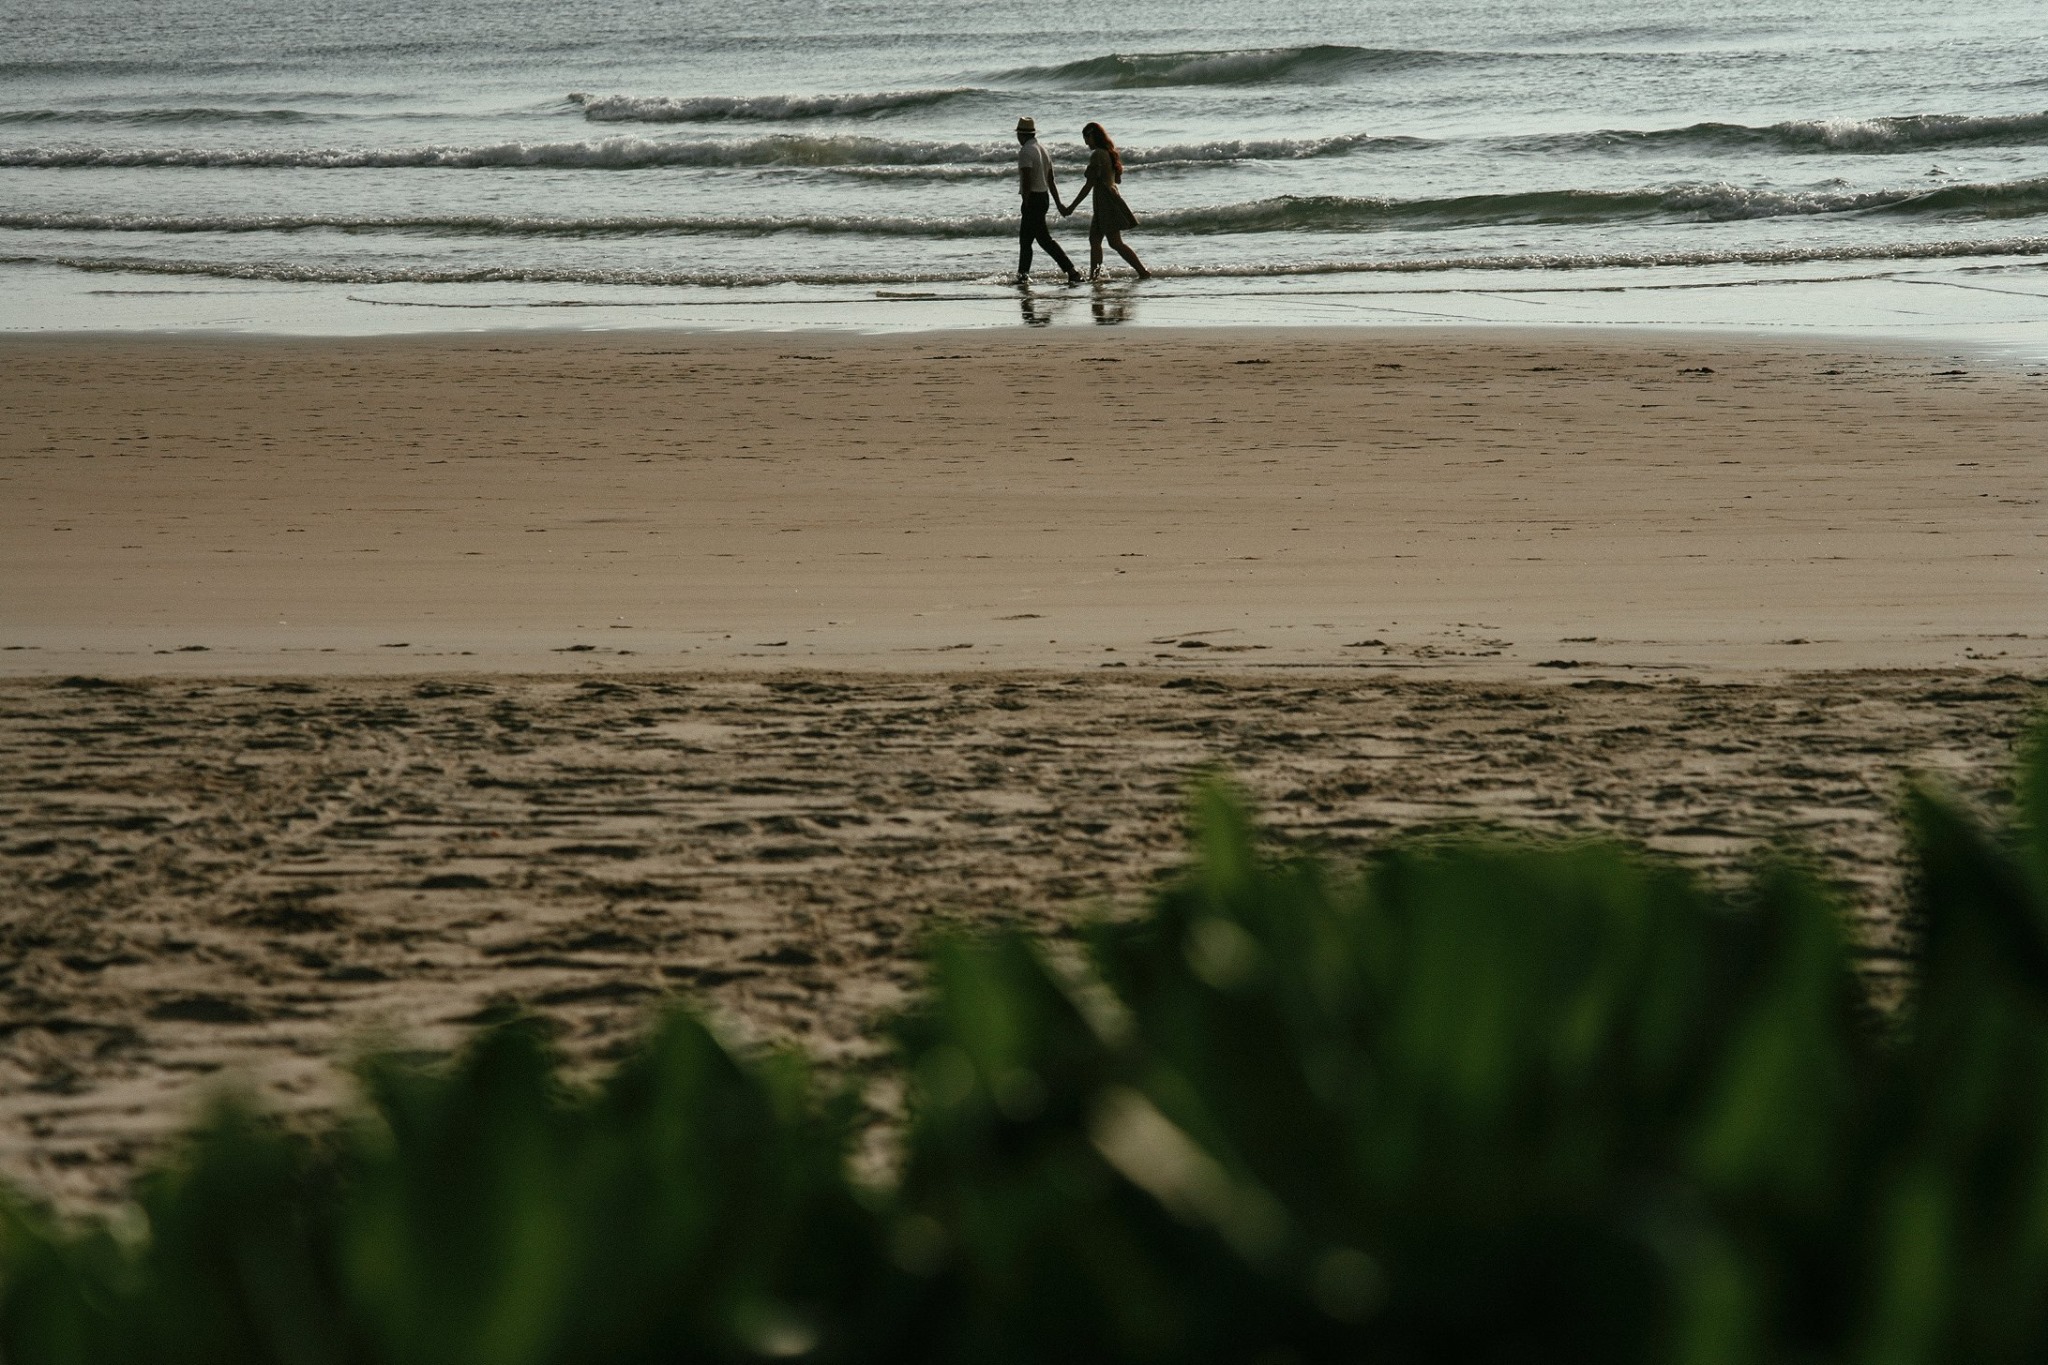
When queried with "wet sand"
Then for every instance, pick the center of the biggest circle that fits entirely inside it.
(1477, 502)
(360, 690)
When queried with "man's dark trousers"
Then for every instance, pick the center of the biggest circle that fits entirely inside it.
(1033, 229)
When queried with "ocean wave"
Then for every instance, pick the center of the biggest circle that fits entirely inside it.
(633, 153)
(1914, 132)
(1320, 64)
(1636, 260)
(615, 153)
(114, 66)
(1571, 41)
(757, 108)
(1223, 152)
(1253, 149)
(1283, 213)
(295, 273)
(1906, 133)
(1682, 203)
(517, 225)
(150, 116)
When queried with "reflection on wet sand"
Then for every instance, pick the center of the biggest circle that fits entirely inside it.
(1108, 305)
(1112, 305)
(1037, 312)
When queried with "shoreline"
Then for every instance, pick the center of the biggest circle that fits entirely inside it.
(1981, 305)
(1845, 341)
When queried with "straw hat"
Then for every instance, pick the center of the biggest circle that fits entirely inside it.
(1027, 125)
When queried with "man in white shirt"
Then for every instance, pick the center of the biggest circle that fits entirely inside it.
(1036, 184)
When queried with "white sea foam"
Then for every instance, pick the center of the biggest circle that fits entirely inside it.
(1915, 132)
(513, 225)
(303, 273)
(1278, 214)
(1905, 133)
(612, 153)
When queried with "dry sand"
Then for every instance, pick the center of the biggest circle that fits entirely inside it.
(252, 877)
(1019, 615)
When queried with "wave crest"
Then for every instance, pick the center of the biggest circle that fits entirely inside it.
(1322, 63)
(1905, 133)
(1718, 202)
(1913, 131)
(516, 225)
(615, 153)
(1563, 261)
(757, 108)
(1286, 213)
(149, 116)
(632, 153)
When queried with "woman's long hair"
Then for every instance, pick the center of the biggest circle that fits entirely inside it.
(1094, 135)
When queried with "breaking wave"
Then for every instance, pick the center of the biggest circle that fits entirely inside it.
(515, 225)
(615, 153)
(1907, 133)
(633, 153)
(150, 116)
(1319, 64)
(1284, 213)
(1684, 203)
(757, 108)
(288, 272)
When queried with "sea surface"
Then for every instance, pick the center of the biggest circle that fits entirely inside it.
(345, 164)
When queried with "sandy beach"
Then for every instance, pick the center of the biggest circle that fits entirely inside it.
(359, 690)
(1476, 502)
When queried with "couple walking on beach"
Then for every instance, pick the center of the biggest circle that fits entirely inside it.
(1040, 190)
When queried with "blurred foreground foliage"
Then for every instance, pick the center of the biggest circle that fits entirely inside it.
(1484, 1100)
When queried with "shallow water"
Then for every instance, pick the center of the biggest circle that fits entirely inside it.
(804, 160)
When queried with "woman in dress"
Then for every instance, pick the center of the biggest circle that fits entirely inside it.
(1112, 215)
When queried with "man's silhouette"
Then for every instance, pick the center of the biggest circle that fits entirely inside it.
(1036, 184)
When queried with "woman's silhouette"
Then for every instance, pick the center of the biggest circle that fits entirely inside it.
(1112, 214)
